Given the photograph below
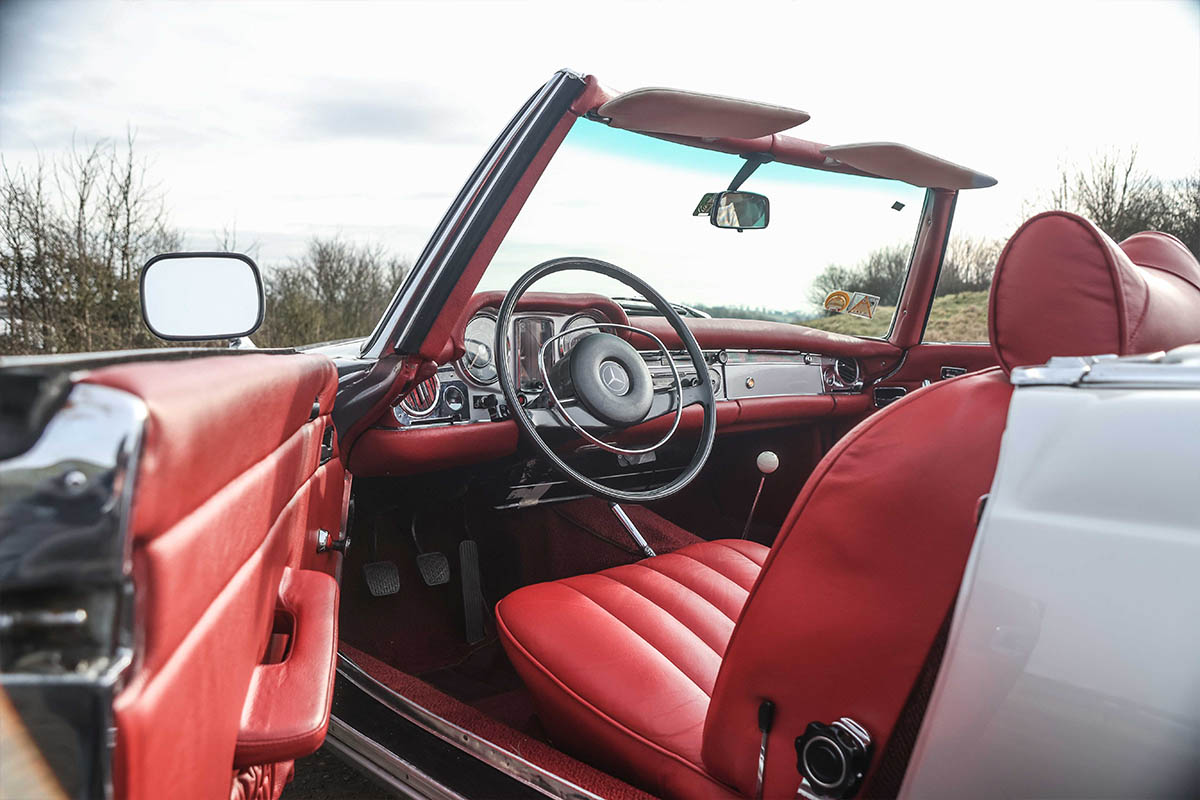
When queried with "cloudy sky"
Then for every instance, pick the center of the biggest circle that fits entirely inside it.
(289, 119)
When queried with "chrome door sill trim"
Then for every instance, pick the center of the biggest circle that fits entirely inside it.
(494, 755)
(383, 765)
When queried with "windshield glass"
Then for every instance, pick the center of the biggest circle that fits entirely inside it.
(628, 199)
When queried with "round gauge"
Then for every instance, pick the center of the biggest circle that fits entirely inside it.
(578, 321)
(479, 340)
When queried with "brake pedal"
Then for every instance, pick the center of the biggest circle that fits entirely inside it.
(472, 590)
(434, 568)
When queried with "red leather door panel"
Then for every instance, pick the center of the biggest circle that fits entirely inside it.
(229, 494)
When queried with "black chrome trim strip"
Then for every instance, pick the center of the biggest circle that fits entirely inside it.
(504, 761)
(420, 299)
(383, 765)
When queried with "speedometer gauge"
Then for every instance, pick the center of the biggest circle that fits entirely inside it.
(574, 323)
(479, 340)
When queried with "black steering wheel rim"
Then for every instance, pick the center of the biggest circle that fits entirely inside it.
(505, 374)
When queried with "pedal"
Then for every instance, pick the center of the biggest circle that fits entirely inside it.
(383, 578)
(472, 591)
(434, 568)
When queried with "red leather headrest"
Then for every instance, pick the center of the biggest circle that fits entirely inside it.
(1063, 288)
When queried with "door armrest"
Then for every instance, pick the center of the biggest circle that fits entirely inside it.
(287, 706)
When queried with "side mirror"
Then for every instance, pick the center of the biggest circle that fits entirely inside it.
(741, 210)
(202, 296)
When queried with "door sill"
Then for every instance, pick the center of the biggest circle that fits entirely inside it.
(509, 764)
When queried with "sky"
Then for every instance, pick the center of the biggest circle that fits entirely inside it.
(286, 120)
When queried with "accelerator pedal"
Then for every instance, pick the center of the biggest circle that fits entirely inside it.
(472, 591)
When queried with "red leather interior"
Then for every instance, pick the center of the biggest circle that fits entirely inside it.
(860, 579)
(924, 362)
(228, 488)
(393, 451)
(646, 640)
(383, 451)
(867, 564)
(287, 707)
(1062, 287)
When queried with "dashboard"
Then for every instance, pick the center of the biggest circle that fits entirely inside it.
(467, 390)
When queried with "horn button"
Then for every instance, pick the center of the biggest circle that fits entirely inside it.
(609, 378)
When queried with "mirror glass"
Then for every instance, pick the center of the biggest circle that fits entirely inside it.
(201, 296)
(741, 210)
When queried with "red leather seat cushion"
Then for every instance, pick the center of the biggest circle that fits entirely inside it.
(623, 662)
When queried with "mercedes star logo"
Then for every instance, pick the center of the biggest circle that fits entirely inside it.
(614, 377)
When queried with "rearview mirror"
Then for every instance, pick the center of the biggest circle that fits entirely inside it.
(741, 210)
(201, 296)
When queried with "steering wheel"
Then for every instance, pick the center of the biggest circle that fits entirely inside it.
(602, 386)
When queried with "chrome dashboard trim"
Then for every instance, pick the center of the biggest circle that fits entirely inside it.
(750, 380)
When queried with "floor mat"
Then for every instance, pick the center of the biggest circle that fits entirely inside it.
(487, 681)
(420, 629)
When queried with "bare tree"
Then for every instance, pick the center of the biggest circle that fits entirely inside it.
(1113, 192)
(968, 264)
(1184, 222)
(75, 232)
(336, 290)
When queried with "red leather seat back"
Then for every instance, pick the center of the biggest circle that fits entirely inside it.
(870, 559)
(860, 579)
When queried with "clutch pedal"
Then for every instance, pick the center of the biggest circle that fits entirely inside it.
(383, 578)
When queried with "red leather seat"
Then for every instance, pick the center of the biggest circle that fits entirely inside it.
(658, 628)
(656, 671)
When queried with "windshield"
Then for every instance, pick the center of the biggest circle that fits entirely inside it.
(628, 199)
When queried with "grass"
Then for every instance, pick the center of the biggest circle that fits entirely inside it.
(953, 318)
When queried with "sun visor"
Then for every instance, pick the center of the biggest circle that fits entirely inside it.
(706, 116)
(903, 163)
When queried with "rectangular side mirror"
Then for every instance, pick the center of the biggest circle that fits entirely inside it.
(740, 210)
(197, 296)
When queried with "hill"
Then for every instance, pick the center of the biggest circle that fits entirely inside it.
(953, 318)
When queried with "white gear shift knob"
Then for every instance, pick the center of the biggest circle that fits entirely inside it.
(767, 462)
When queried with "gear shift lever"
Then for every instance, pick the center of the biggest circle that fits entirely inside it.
(767, 462)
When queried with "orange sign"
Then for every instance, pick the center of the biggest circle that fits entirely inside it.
(837, 301)
(862, 305)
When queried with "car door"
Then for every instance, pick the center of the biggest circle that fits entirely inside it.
(169, 559)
